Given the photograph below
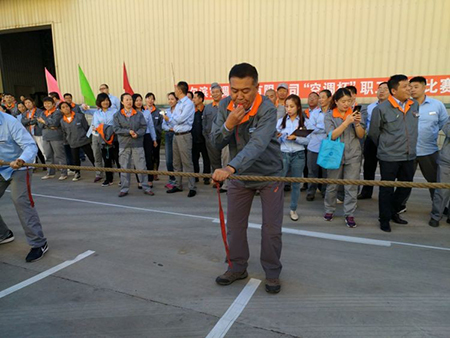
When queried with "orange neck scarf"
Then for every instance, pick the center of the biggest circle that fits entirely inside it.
(253, 110)
(69, 120)
(394, 104)
(50, 112)
(337, 113)
(133, 112)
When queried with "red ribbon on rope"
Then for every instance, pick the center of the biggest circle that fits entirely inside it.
(222, 226)
(29, 188)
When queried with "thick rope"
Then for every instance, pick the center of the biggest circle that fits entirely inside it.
(394, 184)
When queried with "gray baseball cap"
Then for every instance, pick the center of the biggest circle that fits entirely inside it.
(215, 85)
(283, 85)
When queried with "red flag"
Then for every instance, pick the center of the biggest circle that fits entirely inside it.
(126, 83)
(52, 84)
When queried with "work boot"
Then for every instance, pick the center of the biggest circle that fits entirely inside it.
(273, 285)
(230, 277)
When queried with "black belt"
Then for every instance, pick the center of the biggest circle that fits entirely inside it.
(186, 132)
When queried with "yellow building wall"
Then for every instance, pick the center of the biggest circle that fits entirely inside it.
(203, 39)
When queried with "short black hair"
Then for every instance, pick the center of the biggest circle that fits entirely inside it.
(67, 94)
(104, 84)
(125, 94)
(183, 86)
(243, 70)
(63, 102)
(173, 94)
(394, 81)
(200, 95)
(313, 93)
(327, 92)
(100, 98)
(419, 79)
(54, 95)
(352, 89)
(5, 94)
(48, 99)
(192, 94)
(382, 83)
(150, 94)
(27, 98)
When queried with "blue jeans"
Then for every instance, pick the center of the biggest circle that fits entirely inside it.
(169, 153)
(294, 163)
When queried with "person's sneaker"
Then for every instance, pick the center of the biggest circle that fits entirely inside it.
(294, 215)
(122, 194)
(139, 186)
(97, 179)
(222, 190)
(206, 181)
(71, 172)
(304, 187)
(62, 177)
(338, 201)
(192, 193)
(363, 197)
(230, 277)
(432, 223)
(169, 186)
(310, 198)
(173, 190)
(47, 177)
(8, 239)
(36, 254)
(328, 217)
(273, 285)
(448, 220)
(76, 177)
(350, 221)
(402, 209)
(106, 184)
(149, 192)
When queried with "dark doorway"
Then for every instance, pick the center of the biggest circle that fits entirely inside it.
(23, 56)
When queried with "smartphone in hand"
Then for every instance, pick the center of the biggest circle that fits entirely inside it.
(357, 110)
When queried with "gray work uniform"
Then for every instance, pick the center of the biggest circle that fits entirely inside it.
(350, 167)
(52, 137)
(442, 196)
(254, 150)
(131, 150)
(218, 158)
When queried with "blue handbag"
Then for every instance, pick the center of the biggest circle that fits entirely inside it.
(330, 153)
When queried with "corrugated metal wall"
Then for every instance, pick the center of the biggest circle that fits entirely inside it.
(285, 40)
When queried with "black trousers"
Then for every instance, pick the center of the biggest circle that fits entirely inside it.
(197, 149)
(148, 150)
(370, 165)
(429, 168)
(68, 152)
(156, 154)
(110, 155)
(41, 156)
(76, 155)
(390, 201)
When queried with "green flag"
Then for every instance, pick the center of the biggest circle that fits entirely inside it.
(86, 89)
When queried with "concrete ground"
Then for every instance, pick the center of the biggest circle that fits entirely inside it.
(156, 258)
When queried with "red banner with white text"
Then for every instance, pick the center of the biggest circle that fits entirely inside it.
(437, 85)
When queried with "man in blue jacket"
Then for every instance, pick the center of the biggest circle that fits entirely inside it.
(17, 147)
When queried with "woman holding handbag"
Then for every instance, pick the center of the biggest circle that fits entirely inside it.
(292, 146)
(345, 124)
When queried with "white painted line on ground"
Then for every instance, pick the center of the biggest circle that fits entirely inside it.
(235, 310)
(44, 274)
(422, 246)
(350, 239)
(323, 235)
(123, 206)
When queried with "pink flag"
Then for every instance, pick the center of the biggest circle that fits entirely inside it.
(52, 84)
